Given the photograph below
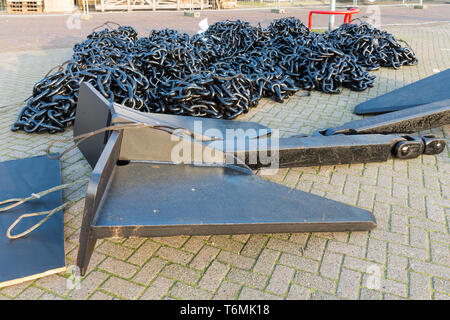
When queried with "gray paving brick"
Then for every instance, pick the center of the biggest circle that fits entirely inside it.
(175, 242)
(367, 294)
(253, 294)
(440, 253)
(266, 261)
(185, 292)
(213, 276)
(181, 273)
(284, 246)
(236, 260)
(204, 257)
(348, 286)
(418, 237)
(254, 245)
(195, 243)
(297, 292)
(174, 255)
(331, 265)
(280, 280)
(345, 248)
(442, 285)
(149, 271)
(227, 291)
(310, 280)
(297, 262)
(407, 251)
(398, 267)
(118, 267)
(122, 288)
(88, 285)
(144, 252)
(99, 295)
(247, 278)
(429, 268)
(159, 287)
(419, 286)
(30, 293)
(226, 244)
(376, 250)
(115, 250)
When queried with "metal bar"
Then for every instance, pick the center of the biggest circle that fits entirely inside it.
(100, 178)
(327, 150)
(431, 89)
(409, 120)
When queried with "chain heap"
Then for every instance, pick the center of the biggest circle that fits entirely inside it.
(220, 73)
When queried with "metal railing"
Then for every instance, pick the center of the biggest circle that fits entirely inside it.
(2, 5)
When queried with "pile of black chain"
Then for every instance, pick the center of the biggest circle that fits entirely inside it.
(220, 73)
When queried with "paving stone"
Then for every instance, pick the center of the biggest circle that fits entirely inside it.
(183, 291)
(122, 288)
(213, 276)
(181, 273)
(345, 248)
(310, 280)
(254, 245)
(195, 243)
(227, 291)
(331, 265)
(280, 280)
(204, 257)
(175, 242)
(297, 262)
(419, 286)
(348, 286)
(266, 261)
(159, 287)
(30, 293)
(397, 268)
(297, 292)
(99, 295)
(174, 255)
(236, 260)
(143, 253)
(88, 285)
(114, 250)
(149, 271)
(253, 294)
(118, 267)
(226, 244)
(285, 246)
(13, 291)
(442, 285)
(247, 278)
(368, 294)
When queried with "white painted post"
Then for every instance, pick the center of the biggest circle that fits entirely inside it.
(331, 20)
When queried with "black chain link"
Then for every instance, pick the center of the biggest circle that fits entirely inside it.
(220, 73)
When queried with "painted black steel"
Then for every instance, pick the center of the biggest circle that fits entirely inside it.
(164, 199)
(409, 120)
(425, 91)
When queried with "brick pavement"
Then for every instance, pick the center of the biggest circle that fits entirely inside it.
(405, 257)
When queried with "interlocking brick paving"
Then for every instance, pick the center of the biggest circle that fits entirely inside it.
(405, 257)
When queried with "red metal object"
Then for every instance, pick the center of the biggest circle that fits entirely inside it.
(347, 14)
